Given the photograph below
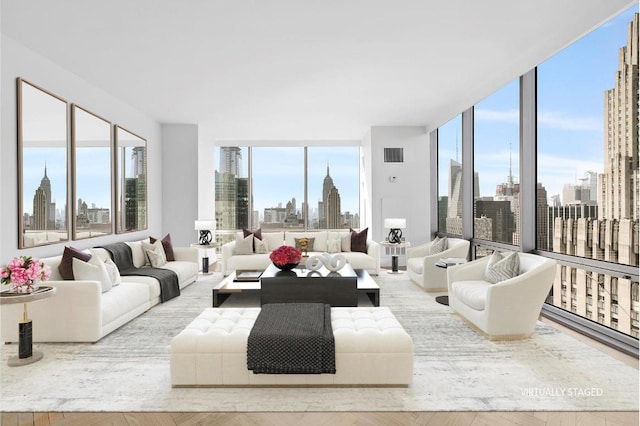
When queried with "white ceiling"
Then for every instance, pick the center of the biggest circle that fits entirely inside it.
(300, 69)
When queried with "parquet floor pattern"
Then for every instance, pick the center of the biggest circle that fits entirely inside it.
(324, 419)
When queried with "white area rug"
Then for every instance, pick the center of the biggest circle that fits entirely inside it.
(455, 368)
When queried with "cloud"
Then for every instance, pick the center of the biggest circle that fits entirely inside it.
(559, 120)
(507, 116)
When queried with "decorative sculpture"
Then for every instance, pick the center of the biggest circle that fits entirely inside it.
(332, 263)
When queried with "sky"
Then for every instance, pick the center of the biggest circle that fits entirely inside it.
(571, 87)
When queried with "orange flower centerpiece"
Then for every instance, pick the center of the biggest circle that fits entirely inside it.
(24, 273)
(285, 257)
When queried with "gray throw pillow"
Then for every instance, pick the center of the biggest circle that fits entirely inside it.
(438, 246)
(501, 268)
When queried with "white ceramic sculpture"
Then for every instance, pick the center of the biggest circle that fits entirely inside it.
(332, 263)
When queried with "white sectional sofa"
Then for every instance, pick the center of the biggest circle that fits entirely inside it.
(232, 261)
(81, 312)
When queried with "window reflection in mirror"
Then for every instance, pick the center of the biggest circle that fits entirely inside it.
(42, 166)
(131, 159)
(92, 179)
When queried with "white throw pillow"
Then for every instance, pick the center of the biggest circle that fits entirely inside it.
(137, 253)
(113, 271)
(244, 245)
(334, 245)
(501, 268)
(112, 268)
(260, 246)
(438, 246)
(155, 253)
(92, 270)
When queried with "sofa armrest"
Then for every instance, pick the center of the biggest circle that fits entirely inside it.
(186, 254)
(227, 252)
(57, 317)
(373, 250)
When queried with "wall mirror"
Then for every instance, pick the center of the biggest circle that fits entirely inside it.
(42, 166)
(131, 160)
(91, 158)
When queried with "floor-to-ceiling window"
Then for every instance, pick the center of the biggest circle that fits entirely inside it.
(588, 176)
(264, 187)
(496, 147)
(450, 177)
(587, 188)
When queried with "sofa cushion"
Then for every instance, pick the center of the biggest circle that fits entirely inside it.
(359, 260)
(359, 240)
(122, 299)
(167, 245)
(501, 268)
(92, 270)
(472, 293)
(273, 239)
(186, 271)
(345, 243)
(66, 263)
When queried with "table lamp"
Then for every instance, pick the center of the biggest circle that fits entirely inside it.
(395, 226)
(205, 227)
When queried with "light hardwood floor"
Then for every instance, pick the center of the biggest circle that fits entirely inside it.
(325, 419)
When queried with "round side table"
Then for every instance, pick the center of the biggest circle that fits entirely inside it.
(26, 354)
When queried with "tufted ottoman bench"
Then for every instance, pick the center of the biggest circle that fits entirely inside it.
(372, 349)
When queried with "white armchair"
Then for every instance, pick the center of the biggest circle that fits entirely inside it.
(422, 266)
(508, 309)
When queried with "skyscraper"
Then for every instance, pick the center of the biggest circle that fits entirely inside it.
(231, 160)
(44, 210)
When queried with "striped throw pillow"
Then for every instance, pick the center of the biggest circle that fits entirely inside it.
(502, 268)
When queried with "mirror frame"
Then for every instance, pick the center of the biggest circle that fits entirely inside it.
(21, 146)
(120, 175)
(74, 172)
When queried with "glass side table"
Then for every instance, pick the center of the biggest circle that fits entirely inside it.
(26, 354)
(205, 258)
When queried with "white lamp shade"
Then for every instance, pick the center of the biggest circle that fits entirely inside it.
(205, 225)
(395, 223)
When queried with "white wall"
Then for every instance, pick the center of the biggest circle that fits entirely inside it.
(180, 182)
(19, 61)
(408, 197)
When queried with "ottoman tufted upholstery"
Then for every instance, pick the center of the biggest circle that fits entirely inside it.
(372, 348)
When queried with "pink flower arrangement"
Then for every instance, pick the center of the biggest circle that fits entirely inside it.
(24, 273)
(285, 255)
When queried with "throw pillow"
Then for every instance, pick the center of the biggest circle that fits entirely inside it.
(92, 270)
(256, 233)
(244, 245)
(502, 268)
(300, 242)
(137, 254)
(438, 245)
(359, 240)
(345, 243)
(168, 247)
(155, 253)
(66, 263)
(113, 271)
(260, 246)
(334, 245)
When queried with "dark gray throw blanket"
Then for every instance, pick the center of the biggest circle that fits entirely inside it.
(123, 258)
(292, 338)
